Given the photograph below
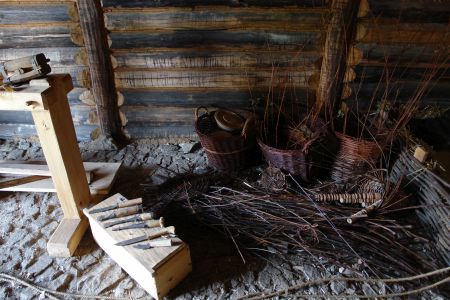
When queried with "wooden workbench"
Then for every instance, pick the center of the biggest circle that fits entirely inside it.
(46, 99)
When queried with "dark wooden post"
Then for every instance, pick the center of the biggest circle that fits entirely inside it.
(338, 42)
(101, 70)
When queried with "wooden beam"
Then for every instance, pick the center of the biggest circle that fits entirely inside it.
(337, 45)
(59, 144)
(101, 70)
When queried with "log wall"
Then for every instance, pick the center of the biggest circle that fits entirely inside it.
(50, 27)
(397, 44)
(172, 56)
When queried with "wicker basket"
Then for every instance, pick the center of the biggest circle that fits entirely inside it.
(304, 163)
(355, 157)
(226, 151)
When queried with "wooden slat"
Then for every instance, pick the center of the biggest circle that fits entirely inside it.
(212, 39)
(216, 18)
(39, 170)
(401, 91)
(80, 116)
(36, 37)
(104, 177)
(14, 13)
(223, 79)
(386, 31)
(417, 11)
(398, 53)
(209, 97)
(369, 73)
(145, 130)
(187, 58)
(59, 57)
(7, 182)
(11, 131)
(190, 3)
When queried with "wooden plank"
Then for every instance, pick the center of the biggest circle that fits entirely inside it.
(399, 92)
(387, 31)
(191, 3)
(209, 97)
(337, 46)
(417, 11)
(217, 18)
(14, 13)
(11, 131)
(36, 37)
(216, 39)
(369, 73)
(399, 53)
(223, 79)
(101, 71)
(59, 57)
(187, 58)
(80, 116)
(7, 182)
(144, 266)
(152, 130)
(58, 140)
(104, 175)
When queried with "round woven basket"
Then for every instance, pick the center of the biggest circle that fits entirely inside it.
(306, 163)
(226, 151)
(355, 157)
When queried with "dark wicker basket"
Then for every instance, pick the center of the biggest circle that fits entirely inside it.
(304, 163)
(225, 151)
(355, 157)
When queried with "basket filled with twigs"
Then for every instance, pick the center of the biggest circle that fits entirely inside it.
(302, 150)
(227, 136)
(355, 156)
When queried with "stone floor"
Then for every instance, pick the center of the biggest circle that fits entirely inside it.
(28, 219)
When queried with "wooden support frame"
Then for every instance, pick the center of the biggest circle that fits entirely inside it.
(47, 101)
(337, 45)
(100, 67)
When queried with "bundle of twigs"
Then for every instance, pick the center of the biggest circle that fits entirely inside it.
(289, 221)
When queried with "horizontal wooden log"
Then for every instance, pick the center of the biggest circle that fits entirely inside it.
(160, 116)
(373, 53)
(216, 39)
(373, 73)
(217, 18)
(415, 11)
(80, 116)
(40, 12)
(387, 31)
(191, 3)
(223, 79)
(59, 57)
(186, 58)
(11, 131)
(36, 37)
(207, 97)
(400, 91)
(152, 130)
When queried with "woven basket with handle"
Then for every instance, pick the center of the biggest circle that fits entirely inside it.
(226, 151)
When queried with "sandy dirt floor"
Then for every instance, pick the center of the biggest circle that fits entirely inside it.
(27, 220)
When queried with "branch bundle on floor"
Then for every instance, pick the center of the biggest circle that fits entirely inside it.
(281, 220)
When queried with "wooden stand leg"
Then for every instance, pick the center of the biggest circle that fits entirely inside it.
(59, 144)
